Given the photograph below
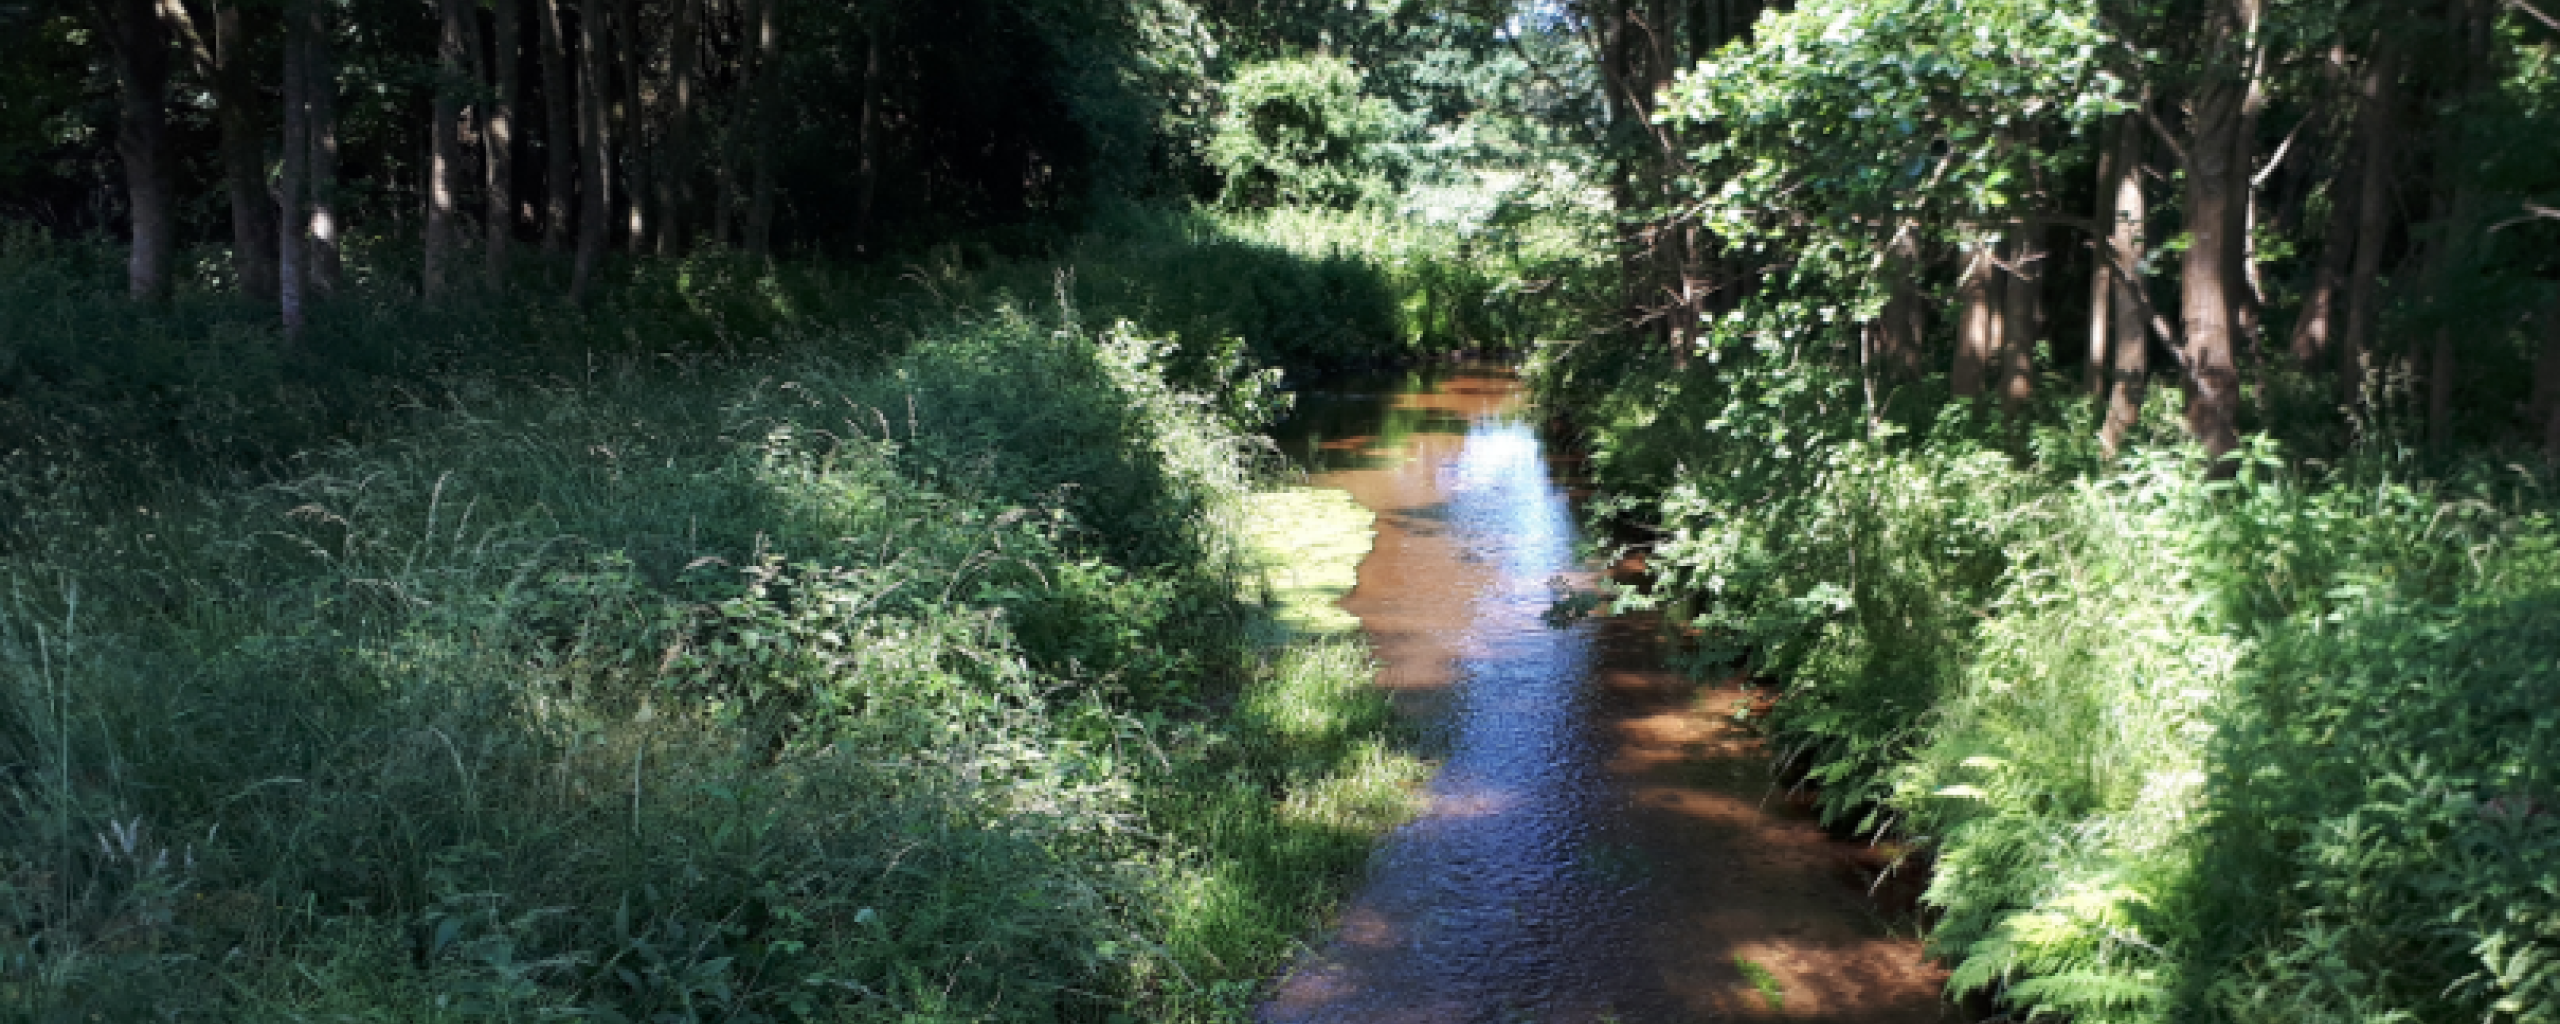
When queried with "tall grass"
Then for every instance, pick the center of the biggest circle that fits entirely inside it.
(902, 670)
(2278, 749)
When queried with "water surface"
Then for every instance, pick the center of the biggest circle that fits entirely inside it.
(1601, 843)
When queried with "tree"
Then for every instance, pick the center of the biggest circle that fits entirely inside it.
(138, 47)
(678, 155)
(228, 71)
(498, 140)
(444, 162)
(2125, 363)
(596, 137)
(763, 92)
(2216, 177)
(559, 130)
(293, 184)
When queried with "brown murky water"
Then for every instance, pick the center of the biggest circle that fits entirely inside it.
(1602, 842)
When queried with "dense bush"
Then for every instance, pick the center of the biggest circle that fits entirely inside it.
(1301, 132)
(808, 671)
(2272, 749)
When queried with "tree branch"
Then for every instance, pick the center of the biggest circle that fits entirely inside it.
(2547, 21)
(2167, 138)
(2260, 178)
(2533, 211)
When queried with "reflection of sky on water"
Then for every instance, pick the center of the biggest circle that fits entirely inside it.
(1491, 900)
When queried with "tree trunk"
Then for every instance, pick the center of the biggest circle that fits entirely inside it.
(234, 85)
(138, 44)
(2022, 308)
(2101, 278)
(768, 44)
(2373, 218)
(293, 179)
(2244, 288)
(499, 138)
(2474, 21)
(726, 184)
(2208, 293)
(2544, 412)
(2318, 328)
(595, 164)
(1978, 319)
(867, 172)
(1898, 331)
(559, 148)
(444, 158)
(2129, 369)
(678, 157)
(631, 125)
(324, 263)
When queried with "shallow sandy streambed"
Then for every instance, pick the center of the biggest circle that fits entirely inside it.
(1602, 843)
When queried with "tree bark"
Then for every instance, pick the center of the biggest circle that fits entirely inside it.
(768, 45)
(2544, 412)
(2022, 302)
(676, 176)
(444, 157)
(559, 134)
(233, 82)
(2317, 329)
(293, 179)
(867, 172)
(2373, 218)
(2246, 298)
(499, 139)
(595, 164)
(2474, 21)
(324, 262)
(631, 125)
(1898, 330)
(730, 137)
(2128, 369)
(2101, 278)
(1978, 318)
(2208, 294)
(138, 46)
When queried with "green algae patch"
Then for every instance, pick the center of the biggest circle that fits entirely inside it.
(1305, 545)
(1303, 773)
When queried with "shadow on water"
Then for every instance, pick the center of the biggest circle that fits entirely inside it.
(1602, 841)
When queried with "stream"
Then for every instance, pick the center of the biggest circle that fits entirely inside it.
(1602, 841)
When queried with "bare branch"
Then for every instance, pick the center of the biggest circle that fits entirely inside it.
(2532, 212)
(2277, 159)
(2547, 21)
(2167, 138)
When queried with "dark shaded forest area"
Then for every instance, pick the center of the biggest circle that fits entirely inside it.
(746, 509)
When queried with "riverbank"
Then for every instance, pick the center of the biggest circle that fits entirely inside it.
(936, 680)
(2177, 748)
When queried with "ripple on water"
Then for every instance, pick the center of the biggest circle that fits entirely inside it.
(1596, 845)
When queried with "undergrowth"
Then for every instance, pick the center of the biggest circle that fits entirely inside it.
(2273, 749)
(743, 650)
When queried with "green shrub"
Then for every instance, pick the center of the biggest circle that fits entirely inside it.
(833, 675)
(2272, 749)
(1300, 132)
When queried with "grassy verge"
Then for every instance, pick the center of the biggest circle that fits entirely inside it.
(913, 671)
(2278, 749)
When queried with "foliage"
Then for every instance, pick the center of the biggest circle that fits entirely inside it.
(1300, 133)
(2273, 749)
